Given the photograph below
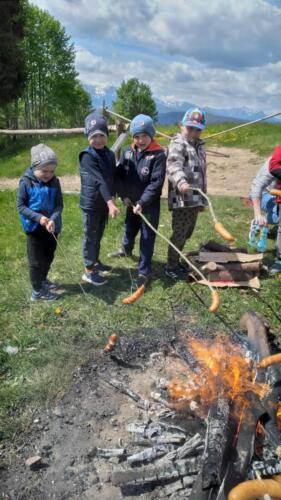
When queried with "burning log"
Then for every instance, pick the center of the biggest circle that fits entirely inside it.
(165, 472)
(215, 444)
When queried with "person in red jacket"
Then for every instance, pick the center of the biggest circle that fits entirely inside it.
(275, 170)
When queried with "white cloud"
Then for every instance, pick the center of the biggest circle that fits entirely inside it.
(224, 33)
(221, 53)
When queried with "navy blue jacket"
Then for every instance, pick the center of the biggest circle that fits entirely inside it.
(140, 175)
(36, 198)
(97, 167)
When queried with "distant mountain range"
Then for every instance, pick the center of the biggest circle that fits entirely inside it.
(172, 112)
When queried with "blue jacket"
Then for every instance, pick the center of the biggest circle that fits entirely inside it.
(140, 175)
(36, 198)
(97, 167)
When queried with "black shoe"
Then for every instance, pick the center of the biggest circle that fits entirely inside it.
(120, 253)
(143, 280)
(185, 268)
(103, 269)
(175, 273)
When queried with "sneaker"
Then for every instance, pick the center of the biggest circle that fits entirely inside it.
(103, 269)
(275, 268)
(94, 278)
(43, 294)
(49, 285)
(175, 273)
(184, 267)
(120, 253)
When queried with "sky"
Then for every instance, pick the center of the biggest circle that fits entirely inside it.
(217, 53)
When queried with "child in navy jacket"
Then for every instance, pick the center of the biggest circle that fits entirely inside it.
(39, 203)
(139, 180)
(97, 167)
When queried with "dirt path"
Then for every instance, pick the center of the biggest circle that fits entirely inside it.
(227, 176)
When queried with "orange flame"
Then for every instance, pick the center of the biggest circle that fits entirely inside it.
(222, 371)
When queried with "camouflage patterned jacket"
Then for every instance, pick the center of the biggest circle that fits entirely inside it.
(186, 162)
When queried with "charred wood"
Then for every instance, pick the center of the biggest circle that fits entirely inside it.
(165, 472)
(150, 454)
(215, 444)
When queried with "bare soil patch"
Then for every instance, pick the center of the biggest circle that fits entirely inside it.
(226, 176)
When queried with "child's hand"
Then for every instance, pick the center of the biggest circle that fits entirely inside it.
(50, 226)
(113, 210)
(260, 220)
(44, 221)
(137, 209)
(184, 187)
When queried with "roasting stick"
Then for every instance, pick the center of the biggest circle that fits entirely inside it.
(215, 294)
(69, 264)
(275, 192)
(218, 225)
(162, 134)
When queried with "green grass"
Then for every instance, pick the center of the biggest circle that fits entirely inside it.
(50, 345)
(15, 154)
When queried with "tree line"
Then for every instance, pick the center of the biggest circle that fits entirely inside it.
(39, 86)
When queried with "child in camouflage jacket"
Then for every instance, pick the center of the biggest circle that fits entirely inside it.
(186, 168)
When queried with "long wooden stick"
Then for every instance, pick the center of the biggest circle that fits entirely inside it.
(215, 294)
(240, 126)
(129, 121)
(178, 251)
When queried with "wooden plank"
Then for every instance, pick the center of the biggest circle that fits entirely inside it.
(229, 257)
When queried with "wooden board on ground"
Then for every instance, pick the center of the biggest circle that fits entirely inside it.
(229, 257)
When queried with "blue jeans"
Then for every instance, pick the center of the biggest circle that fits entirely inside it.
(269, 205)
(134, 224)
(94, 224)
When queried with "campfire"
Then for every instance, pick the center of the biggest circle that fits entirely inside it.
(210, 426)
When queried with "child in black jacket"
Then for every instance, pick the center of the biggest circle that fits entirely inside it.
(140, 177)
(97, 167)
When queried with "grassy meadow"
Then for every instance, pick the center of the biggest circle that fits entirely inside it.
(50, 345)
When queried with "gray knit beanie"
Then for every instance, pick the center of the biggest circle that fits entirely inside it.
(41, 156)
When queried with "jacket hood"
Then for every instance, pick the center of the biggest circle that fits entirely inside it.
(29, 174)
(153, 146)
(197, 142)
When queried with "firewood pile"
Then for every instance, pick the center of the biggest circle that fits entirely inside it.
(228, 267)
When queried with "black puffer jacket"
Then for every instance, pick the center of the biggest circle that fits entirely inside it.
(97, 167)
(140, 176)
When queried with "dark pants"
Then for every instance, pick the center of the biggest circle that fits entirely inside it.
(134, 224)
(183, 224)
(94, 223)
(41, 247)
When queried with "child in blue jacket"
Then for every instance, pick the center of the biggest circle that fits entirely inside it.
(97, 167)
(139, 180)
(39, 203)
